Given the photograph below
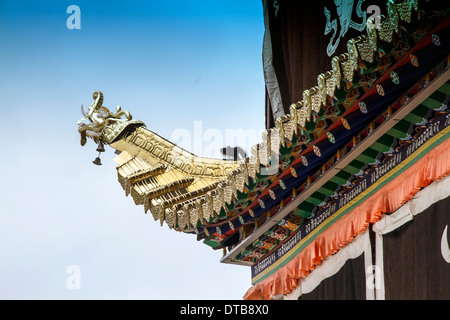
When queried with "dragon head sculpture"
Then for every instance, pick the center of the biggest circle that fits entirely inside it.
(103, 127)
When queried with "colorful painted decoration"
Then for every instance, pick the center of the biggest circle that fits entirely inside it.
(218, 231)
(290, 224)
(293, 172)
(362, 107)
(281, 233)
(394, 77)
(436, 40)
(345, 124)
(282, 185)
(231, 225)
(304, 161)
(414, 60)
(331, 137)
(251, 213)
(261, 203)
(317, 151)
(272, 194)
(241, 220)
(404, 100)
(380, 90)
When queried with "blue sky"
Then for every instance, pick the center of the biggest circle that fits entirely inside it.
(173, 65)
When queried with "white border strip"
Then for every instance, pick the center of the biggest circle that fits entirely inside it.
(435, 192)
(331, 265)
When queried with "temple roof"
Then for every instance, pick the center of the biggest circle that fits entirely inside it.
(375, 100)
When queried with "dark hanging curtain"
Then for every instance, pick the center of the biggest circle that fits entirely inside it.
(414, 267)
(348, 283)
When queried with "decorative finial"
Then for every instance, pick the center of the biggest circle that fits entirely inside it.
(103, 127)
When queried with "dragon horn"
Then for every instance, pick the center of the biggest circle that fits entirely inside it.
(85, 114)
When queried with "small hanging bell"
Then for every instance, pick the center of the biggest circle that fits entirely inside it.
(97, 161)
(100, 147)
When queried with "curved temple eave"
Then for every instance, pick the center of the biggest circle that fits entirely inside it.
(214, 184)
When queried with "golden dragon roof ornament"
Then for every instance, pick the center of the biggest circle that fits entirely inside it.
(104, 126)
